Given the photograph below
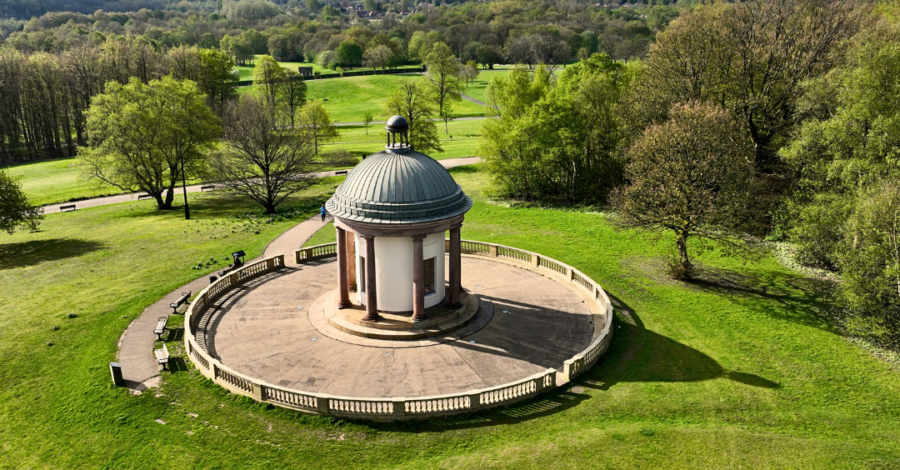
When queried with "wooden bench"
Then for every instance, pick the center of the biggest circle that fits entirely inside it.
(161, 326)
(162, 356)
(340, 172)
(208, 186)
(144, 196)
(181, 301)
(69, 208)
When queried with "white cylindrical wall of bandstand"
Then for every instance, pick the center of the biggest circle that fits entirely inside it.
(394, 271)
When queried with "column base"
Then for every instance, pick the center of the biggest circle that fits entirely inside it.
(343, 305)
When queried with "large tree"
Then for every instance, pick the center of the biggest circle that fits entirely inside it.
(691, 176)
(378, 56)
(557, 143)
(350, 54)
(267, 75)
(749, 58)
(149, 136)
(15, 211)
(262, 158)
(411, 100)
(443, 74)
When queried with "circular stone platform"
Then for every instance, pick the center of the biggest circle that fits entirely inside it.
(276, 330)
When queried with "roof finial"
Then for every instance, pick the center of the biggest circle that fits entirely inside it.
(397, 127)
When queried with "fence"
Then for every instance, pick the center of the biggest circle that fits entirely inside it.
(397, 408)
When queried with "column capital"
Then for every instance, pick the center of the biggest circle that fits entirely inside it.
(418, 238)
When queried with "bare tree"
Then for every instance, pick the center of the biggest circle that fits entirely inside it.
(368, 116)
(262, 158)
(378, 56)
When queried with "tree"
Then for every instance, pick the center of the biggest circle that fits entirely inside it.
(15, 211)
(261, 157)
(317, 124)
(691, 176)
(370, 5)
(147, 137)
(350, 54)
(378, 56)
(290, 95)
(443, 74)
(869, 258)
(557, 143)
(470, 72)
(410, 99)
(368, 116)
(267, 74)
(850, 140)
(313, 5)
(749, 58)
(217, 78)
(487, 56)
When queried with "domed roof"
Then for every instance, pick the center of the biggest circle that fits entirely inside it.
(397, 124)
(398, 188)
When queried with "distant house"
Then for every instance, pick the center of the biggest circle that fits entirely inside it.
(305, 71)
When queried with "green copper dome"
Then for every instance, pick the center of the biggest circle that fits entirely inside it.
(398, 188)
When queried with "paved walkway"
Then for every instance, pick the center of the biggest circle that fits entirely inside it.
(103, 201)
(262, 331)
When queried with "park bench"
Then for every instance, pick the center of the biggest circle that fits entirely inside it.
(208, 186)
(181, 301)
(161, 326)
(340, 172)
(162, 355)
(144, 196)
(68, 208)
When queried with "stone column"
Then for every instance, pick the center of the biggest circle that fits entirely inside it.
(418, 280)
(343, 286)
(351, 262)
(371, 288)
(455, 267)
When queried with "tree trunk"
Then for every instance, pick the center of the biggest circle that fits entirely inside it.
(685, 268)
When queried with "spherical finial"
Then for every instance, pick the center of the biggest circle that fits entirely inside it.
(397, 124)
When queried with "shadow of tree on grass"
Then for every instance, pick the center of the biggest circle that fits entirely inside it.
(635, 355)
(30, 253)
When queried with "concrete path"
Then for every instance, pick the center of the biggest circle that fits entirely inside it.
(103, 201)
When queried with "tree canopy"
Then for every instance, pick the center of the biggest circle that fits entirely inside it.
(145, 136)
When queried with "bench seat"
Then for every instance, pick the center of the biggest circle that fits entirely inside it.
(162, 356)
(161, 326)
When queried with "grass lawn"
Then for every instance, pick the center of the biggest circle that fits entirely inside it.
(349, 97)
(740, 370)
(52, 181)
(246, 71)
(465, 141)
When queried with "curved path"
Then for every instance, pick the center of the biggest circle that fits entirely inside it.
(103, 201)
(139, 367)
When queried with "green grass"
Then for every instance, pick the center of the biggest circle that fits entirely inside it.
(54, 181)
(60, 180)
(740, 370)
(324, 235)
(246, 71)
(349, 97)
(465, 141)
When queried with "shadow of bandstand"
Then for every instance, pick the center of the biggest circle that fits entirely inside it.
(635, 355)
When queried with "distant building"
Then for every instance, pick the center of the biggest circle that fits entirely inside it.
(305, 71)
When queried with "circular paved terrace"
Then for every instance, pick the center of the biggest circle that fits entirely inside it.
(261, 331)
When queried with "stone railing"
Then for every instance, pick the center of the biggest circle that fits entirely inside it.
(315, 252)
(398, 408)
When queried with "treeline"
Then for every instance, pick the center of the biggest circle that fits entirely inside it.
(517, 31)
(44, 96)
